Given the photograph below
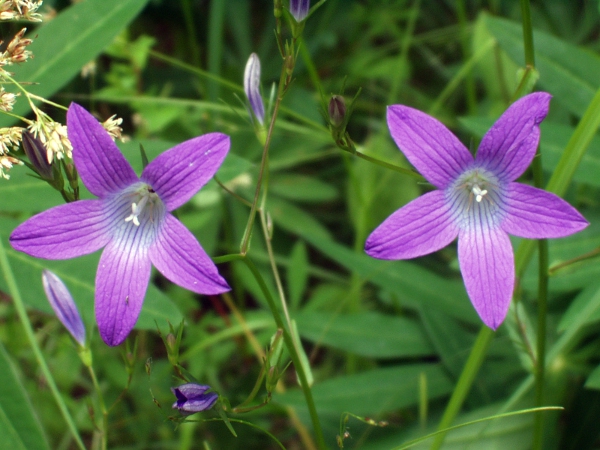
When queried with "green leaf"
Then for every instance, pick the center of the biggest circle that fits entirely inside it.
(65, 44)
(372, 392)
(293, 219)
(567, 71)
(593, 381)
(583, 310)
(412, 286)
(301, 188)
(19, 427)
(297, 273)
(367, 334)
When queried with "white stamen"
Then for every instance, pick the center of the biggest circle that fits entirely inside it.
(136, 210)
(479, 193)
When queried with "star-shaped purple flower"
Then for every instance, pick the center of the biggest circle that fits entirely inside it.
(130, 219)
(476, 199)
(191, 398)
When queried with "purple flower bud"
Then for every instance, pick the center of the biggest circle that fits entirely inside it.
(299, 9)
(251, 86)
(36, 152)
(337, 110)
(191, 398)
(63, 305)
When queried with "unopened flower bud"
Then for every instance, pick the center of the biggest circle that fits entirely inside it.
(191, 398)
(299, 9)
(252, 87)
(337, 110)
(36, 152)
(63, 305)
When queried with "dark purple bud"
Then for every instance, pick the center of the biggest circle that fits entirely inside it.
(252, 87)
(36, 152)
(299, 9)
(191, 398)
(337, 110)
(63, 305)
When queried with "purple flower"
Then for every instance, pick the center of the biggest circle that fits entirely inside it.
(252, 87)
(191, 398)
(477, 200)
(63, 305)
(130, 219)
(299, 9)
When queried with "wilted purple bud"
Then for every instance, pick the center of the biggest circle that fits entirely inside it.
(63, 305)
(191, 398)
(337, 110)
(299, 9)
(36, 152)
(251, 86)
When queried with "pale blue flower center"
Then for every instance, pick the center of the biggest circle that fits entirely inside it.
(145, 205)
(476, 198)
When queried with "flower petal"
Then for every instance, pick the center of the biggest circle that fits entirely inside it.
(121, 283)
(63, 305)
(100, 164)
(63, 232)
(488, 269)
(189, 391)
(423, 226)
(429, 146)
(509, 146)
(536, 214)
(177, 174)
(178, 256)
(200, 403)
(252, 87)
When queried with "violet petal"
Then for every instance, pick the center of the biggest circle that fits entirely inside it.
(63, 232)
(178, 256)
(488, 269)
(536, 214)
(422, 226)
(177, 174)
(121, 283)
(510, 145)
(100, 164)
(429, 146)
(252, 87)
(63, 305)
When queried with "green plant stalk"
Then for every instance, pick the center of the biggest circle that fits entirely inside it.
(102, 408)
(215, 43)
(263, 163)
(463, 386)
(289, 342)
(22, 313)
(465, 42)
(412, 443)
(527, 33)
(191, 31)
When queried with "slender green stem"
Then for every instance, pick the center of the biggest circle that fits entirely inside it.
(540, 362)
(289, 342)
(527, 33)
(104, 430)
(263, 163)
(464, 382)
(22, 313)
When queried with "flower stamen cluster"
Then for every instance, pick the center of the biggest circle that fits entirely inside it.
(54, 137)
(113, 126)
(7, 100)
(9, 140)
(16, 50)
(20, 9)
(144, 196)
